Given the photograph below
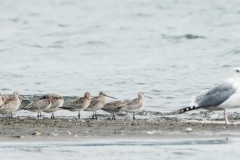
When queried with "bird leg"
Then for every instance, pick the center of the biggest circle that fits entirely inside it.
(96, 115)
(225, 117)
(78, 114)
(93, 115)
(52, 116)
(134, 116)
(113, 117)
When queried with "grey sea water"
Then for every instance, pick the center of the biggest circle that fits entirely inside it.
(194, 149)
(170, 49)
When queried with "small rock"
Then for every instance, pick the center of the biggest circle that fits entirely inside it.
(37, 133)
(189, 130)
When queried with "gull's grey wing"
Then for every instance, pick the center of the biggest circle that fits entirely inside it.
(215, 96)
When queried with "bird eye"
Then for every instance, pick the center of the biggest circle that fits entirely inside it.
(237, 71)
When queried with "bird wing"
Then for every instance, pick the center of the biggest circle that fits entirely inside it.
(215, 96)
(134, 104)
(79, 103)
(39, 104)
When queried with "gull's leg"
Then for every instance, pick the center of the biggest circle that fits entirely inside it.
(40, 114)
(134, 116)
(114, 118)
(225, 117)
(93, 115)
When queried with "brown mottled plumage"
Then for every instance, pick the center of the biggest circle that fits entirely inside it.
(56, 102)
(97, 103)
(39, 106)
(79, 104)
(136, 105)
(2, 99)
(11, 105)
(114, 107)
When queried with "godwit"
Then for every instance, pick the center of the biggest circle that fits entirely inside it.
(223, 96)
(114, 107)
(11, 104)
(97, 103)
(80, 104)
(56, 102)
(2, 99)
(135, 105)
(39, 105)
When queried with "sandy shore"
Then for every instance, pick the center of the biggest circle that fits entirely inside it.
(29, 129)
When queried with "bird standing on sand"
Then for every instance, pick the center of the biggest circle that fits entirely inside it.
(221, 97)
(2, 99)
(80, 104)
(39, 106)
(56, 102)
(97, 103)
(11, 105)
(135, 105)
(114, 107)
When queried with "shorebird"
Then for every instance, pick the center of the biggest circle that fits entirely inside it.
(135, 105)
(221, 97)
(11, 105)
(39, 106)
(2, 99)
(56, 102)
(97, 103)
(114, 107)
(80, 104)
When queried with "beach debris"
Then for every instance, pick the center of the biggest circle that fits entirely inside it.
(188, 129)
(69, 132)
(21, 137)
(76, 136)
(37, 133)
(151, 132)
(55, 134)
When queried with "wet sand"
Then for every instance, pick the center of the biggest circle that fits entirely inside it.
(44, 130)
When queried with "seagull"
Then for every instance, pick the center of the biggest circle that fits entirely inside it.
(80, 104)
(11, 105)
(135, 105)
(221, 97)
(114, 107)
(97, 103)
(56, 102)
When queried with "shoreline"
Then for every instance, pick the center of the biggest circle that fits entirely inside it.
(72, 130)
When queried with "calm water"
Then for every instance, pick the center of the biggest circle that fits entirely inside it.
(171, 49)
(200, 149)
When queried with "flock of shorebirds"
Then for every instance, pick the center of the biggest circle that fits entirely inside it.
(50, 103)
(221, 97)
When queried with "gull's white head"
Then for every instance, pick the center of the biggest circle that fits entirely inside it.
(236, 72)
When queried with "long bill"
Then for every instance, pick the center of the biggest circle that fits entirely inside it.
(110, 96)
(149, 97)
